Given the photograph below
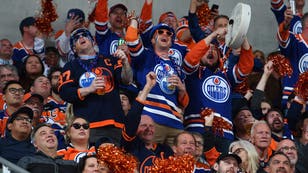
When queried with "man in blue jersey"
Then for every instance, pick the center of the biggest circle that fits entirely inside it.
(169, 97)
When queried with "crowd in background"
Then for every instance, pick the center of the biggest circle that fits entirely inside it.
(136, 96)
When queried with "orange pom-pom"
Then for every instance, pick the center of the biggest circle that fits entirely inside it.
(281, 64)
(204, 15)
(116, 159)
(48, 15)
(301, 86)
(219, 124)
(183, 164)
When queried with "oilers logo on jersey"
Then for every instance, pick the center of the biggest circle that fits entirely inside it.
(216, 89)
(303, 63)
(163, 71)
(113, 46)
(86, 79)
(297, 27)
(176, 56)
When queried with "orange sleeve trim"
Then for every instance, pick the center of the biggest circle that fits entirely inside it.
(131, 34)
(126, 137)
(284, 34)
(101, 11)
(79, 95)
(106, 123)
(146, 13)
(211, 156)
(135, 49)
(246, 62)
(193, 57)
(184, 100)
(58, 34)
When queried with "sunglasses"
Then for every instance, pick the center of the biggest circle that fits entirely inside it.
(162, 31)
(78, 126)
(82, 34)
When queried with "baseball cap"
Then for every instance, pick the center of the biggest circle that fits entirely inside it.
(161, 26)
(22, 110)
(26, 22)
(165, 15)
(76, 12)
(29, 96)
(122, 6)
(78, 32)
(224, 156)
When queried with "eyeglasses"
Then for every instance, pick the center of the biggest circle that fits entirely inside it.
(15, 90)
(23, 118)
(78, 126)
(162, 31)
(286, 148)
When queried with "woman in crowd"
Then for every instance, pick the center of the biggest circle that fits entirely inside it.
(77, 136)
(88, 164)
(33, 67)
(248, 154)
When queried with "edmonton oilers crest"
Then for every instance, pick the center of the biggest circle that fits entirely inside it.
(216, 89)
(303, 63)
(176, 56)
(163, 71)
(113, 46)
(86, 79)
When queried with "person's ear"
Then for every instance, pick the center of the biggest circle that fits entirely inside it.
(215, 166)
(9, 126)
(174, 149)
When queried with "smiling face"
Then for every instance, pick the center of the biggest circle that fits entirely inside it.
(146, 129)
(20, 126)
(45, 139)
(186, 144)
(162, 39)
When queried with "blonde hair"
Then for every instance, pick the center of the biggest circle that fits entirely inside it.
(253, 157)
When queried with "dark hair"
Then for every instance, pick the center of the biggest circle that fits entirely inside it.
(176, 138)
(37, 128)
(299, 125)
(220, 17)
(275, 110)
(51, 49)
(10, 83)
(82, 162)
(52, 70)
(277, 153)
(25, 62)
(303, 19)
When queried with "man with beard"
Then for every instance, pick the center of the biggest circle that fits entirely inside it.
(210, 84)
(280, 131)
(279, 162)
(55, 106)
(288, 147)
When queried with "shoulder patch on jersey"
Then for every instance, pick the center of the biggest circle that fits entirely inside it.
(176, 56)
(216, 89)
(113, 46)
(303, 63)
